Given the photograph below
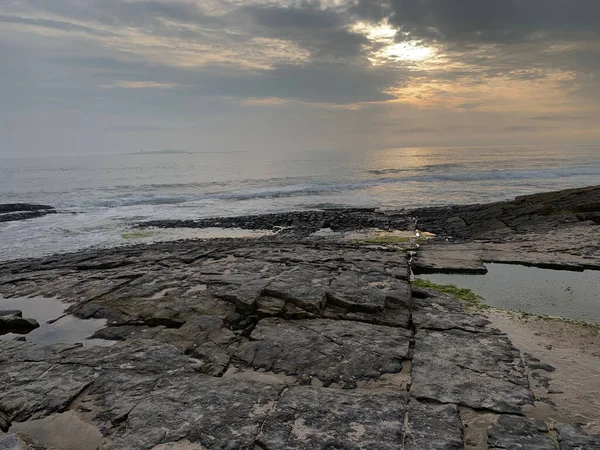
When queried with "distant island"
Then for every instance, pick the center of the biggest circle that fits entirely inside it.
(179, 152)
(160, 152)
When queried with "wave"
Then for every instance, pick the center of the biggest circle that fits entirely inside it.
(514, 174)
(329, 187)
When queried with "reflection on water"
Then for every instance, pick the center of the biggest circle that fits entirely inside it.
(545, 292)
(67, 329)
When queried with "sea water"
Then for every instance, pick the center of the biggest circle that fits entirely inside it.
(100, 196)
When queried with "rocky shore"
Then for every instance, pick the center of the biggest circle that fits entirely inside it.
(300, 341)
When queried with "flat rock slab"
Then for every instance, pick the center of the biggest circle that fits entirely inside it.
(433, 426)
(139, 394)
(449, 258)
(213, 413)
(482, 371)
(356, 291)
(334, 351)
(303, 286)
(245, 345)
(572, 437)
(435, 311)
(515, 432)
(39, 380)
(316, 418)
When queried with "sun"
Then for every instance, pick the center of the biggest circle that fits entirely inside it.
(384, 48)
(407, 51)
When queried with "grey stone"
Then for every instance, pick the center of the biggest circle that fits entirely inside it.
(394, 316)
(330, 350)
(432, 426)
(270, 306)
(17, 324)
(479, 370)
(11, 312)
(572, 437)
(36, 381)
(317, 418)
(244, 296)
(303, 286)
(216, 413)
(211, 332)
(372, 292)
(4, 422)
(12, 442)
(515, 432)
(442, 257)
(435, 311)
(148, 392)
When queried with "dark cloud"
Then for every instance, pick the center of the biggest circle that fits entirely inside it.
(314, 82)
(496, 20)
(520, 59)
(323, 32)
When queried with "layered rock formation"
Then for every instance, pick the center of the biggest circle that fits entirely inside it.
(286, 344)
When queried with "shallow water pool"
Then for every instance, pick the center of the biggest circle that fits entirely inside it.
(546, 292)
(67, 329)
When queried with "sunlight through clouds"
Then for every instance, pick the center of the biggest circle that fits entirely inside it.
(386, 49)
(365, 63)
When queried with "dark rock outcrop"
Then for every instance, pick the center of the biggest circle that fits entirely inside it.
(530, 213)
(284, 344)
(13, 322)
(20, 211)
(248, 344)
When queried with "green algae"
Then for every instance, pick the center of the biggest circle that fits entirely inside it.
(466, 296)
(140, 234)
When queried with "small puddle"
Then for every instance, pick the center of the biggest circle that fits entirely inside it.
(68, 329)
(543, 292)
(65, 431)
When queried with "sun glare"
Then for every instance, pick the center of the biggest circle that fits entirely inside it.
(385, 48)
(406, 51)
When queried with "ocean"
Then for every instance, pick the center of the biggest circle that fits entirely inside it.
(99, 197)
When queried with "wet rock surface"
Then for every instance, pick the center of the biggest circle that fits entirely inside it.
(20, 211)
(298, 223)
(255, 344)
(14, 322)
(316, 418)
(517, 432)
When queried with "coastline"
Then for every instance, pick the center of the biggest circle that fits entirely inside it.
(303, 315)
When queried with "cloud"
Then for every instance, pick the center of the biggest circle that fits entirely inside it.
(496, 20)
(558, 118)
(525, 128)
(53, 24)
(355, 65)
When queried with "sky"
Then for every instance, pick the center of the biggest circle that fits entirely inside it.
(112, 76)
